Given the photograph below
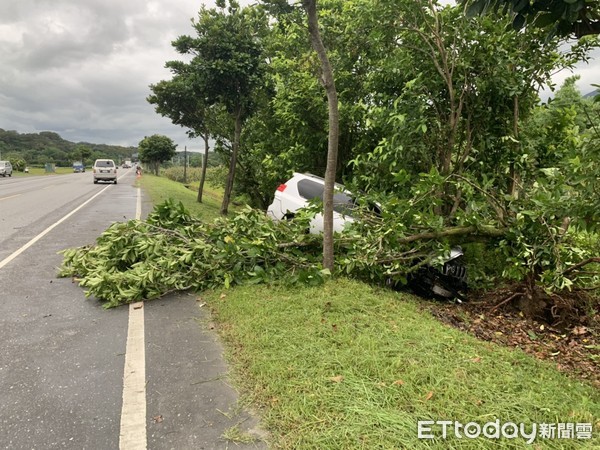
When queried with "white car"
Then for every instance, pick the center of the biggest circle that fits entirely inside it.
(297, 192)
(105, 170)
(447, 282)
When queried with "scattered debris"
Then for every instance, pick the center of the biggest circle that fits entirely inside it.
(573, 347)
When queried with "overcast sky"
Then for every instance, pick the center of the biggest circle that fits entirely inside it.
(82, 68)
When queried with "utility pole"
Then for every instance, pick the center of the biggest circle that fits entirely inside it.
(185, 164)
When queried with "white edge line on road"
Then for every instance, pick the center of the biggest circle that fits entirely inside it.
(138, 205)
(133, 413)
(9, 258)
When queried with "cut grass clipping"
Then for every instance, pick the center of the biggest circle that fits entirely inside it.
(345, 366)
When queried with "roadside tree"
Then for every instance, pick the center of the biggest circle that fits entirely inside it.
(226, 68)
(156, 149)
(177, 100)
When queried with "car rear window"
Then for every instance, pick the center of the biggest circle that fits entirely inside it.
(309, 189)
(342, 202)
(105, 164)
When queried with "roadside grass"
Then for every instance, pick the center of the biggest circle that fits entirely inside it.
(347, 366)
(160, 189)
(41, 171)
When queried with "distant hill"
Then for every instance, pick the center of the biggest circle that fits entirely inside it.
(49, 147)
(592, 94)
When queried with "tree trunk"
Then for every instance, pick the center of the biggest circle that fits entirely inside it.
(515, 179)
(204, 164)
(328, 83)
(234, 151)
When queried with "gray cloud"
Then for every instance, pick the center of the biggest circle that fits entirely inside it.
(82, 68)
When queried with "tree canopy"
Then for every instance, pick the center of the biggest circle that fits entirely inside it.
(576, 18)
(155, 150)
(49, 147)
(225, 70)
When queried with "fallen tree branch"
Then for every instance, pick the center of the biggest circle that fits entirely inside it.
(589, 288)
(506, 300)
(585, 262)
(455, 231)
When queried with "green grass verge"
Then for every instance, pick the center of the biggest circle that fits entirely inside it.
(41, 171)
(160, 189)
(345, 366)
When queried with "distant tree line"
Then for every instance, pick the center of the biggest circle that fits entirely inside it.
(35, 149)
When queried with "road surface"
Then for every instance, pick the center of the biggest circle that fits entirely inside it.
(76, 376)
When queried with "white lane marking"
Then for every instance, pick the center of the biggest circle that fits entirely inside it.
(133, 412)
(9, 258)
(10, 196)
(138, 205)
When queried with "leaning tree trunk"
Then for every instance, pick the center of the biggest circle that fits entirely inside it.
(332, 149)
(204, 164)
(233, 162)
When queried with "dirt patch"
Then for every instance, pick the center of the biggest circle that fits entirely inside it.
(574, 346)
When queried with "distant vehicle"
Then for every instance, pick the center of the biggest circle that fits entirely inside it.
(6, 168)
(127, 165)
(78, 167)
(105, 170)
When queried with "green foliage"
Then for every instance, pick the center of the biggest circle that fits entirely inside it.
(561, 17)
(535, 238)
(419, 86)
(438, 119)
(16, 161)
(171, 250)
(193, 174)
(156, 149)
(216, 176)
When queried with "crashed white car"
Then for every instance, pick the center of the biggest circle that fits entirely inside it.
(448, 281)
(299, 190)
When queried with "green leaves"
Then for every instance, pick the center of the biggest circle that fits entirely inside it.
(171, 250)
(156, 149)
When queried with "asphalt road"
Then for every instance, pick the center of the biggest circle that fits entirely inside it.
(62, 357)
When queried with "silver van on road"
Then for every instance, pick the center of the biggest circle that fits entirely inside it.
(105, 170)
